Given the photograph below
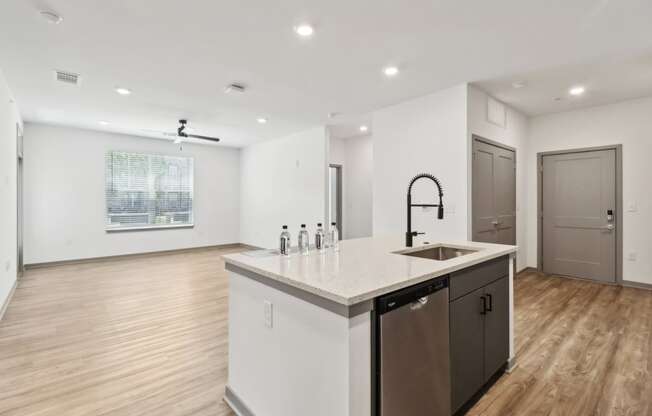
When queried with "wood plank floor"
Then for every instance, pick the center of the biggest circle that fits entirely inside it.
(147, 335)
(582, 348)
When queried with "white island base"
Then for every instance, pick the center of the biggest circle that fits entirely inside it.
(300, 340)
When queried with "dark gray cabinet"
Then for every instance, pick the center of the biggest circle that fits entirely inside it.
(496, 327)
(467, 347)
(479, 329)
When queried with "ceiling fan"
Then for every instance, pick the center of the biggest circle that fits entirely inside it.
(181, 133)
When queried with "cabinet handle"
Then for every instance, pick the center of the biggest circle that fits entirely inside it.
(484, 305)
(491, 303)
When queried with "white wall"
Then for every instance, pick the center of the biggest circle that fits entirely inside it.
(514, 134)
(628, 123)
(355, 154)
(427, 134)
(8, 247)
(65, 202)
(283, 181)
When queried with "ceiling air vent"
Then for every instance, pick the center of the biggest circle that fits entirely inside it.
(67, 77)
(234, 88)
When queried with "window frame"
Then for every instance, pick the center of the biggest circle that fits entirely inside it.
(149, 227)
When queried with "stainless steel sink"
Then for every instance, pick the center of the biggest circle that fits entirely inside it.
(438, 253)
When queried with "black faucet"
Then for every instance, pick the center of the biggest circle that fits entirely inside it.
(409, 235)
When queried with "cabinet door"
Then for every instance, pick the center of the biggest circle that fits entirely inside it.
(467, 347)
(496, 327)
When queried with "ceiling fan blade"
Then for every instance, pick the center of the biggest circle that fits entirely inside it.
(197, 136)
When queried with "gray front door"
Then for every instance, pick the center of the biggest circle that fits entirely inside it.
(494, 194)
(578, 209)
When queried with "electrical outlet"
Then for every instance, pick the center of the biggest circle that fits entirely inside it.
(269, 314)
(632, 256)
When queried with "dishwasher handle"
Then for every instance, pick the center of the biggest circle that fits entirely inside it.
(415, 296)
(419, 303)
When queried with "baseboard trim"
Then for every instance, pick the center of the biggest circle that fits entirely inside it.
(235, 403)
(511, 365)
(637, 285)
(5, 305)
(132, 255)
(526, 270)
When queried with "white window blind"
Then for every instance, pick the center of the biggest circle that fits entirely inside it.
(148, 191)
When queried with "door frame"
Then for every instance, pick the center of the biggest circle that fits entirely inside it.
(20, 195)
(340, 221)
(619, 202)
(476, 138)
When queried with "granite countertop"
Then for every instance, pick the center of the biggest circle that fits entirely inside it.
(363, 268)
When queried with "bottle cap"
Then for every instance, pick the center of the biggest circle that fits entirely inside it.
(303, 225)
(333, 223)
(285, 227)
(319, 224)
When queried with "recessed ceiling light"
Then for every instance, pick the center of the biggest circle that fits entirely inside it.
(122, 91)
(51, 16)
(261, 120)
(364, 128)
(519, 84)
(579, 90)
(390, 71)
(304, 30)
(104, 123)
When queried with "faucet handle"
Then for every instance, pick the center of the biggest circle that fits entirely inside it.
(416, 233)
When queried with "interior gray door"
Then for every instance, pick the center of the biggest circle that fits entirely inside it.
(578, 207)
(494, 193)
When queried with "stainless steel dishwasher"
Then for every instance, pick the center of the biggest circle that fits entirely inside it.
(411, 352)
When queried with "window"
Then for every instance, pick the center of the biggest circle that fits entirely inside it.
(148, 191)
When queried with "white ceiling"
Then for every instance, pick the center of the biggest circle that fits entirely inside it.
(547, 91)
(178, 56)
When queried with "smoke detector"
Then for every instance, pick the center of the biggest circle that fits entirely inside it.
(234, 88)
(67, 77)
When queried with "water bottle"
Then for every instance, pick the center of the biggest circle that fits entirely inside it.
(304, 240)
(334, 238)
(320, 244)
(284, 243)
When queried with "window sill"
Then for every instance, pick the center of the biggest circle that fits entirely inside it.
(149, 228)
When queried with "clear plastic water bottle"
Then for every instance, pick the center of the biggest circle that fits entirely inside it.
(284, 243)
(320, 243)
(304, 240)
(334, 237)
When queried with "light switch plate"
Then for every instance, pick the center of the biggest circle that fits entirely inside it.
(631, 207)
(632, 256)
(269, 314)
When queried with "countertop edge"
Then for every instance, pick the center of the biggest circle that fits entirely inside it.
(352, 301)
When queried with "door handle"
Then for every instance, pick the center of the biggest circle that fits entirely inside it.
(495, 222)
(608, 227)
(491, 303)
(484, 305)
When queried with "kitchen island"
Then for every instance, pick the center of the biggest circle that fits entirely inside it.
(304, 330)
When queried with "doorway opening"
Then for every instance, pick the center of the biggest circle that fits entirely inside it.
(19, 201)
(335, 197)
(580, 213)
